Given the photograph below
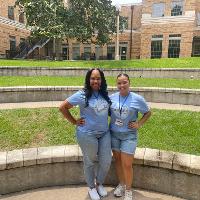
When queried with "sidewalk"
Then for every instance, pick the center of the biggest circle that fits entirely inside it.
(57, 103)
(79, 193)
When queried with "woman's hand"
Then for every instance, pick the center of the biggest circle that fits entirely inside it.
(134, 124)
(80, 122)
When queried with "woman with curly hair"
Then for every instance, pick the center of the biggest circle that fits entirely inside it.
(92, 129)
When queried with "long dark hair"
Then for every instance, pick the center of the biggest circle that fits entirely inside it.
(103, 88)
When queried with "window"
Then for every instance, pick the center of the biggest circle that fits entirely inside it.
(196, 46)
(111, 51)
(158, 10)
(87, 52)
(123, 23)
(198, 19)
(76, 51)
(174, 46)
(21, 17)
(156, 46)
(12, 43)
(99, 52)
(177, 8)
(22, 44)
(11, 12)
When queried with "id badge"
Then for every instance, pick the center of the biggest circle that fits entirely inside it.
(119, 122)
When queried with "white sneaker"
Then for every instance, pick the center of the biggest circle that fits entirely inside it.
(119, 190)
(102, 191)
(128, 195)
(93, 194)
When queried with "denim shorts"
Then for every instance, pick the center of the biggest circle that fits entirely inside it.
(124, 142)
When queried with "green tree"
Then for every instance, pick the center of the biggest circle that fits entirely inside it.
(44, 16)
(84, 20)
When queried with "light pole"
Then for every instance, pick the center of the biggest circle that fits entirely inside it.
(117, 32)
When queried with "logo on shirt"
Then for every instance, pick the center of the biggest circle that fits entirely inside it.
(124, 111)
(101, 107)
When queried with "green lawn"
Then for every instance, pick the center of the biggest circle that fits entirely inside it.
(166, 129)
(142, 63)
(79, 81)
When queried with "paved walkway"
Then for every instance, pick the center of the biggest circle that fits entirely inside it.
(79, 193)
(57, 103)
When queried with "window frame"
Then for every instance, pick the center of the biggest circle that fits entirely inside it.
(174, 50)
(12, 40)
(198, 18)
(11, 12)
(153, 14)
(175, 12)
(156, 46)
(21, 17)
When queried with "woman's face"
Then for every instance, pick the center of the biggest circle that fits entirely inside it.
(95, 80)
(123, 85)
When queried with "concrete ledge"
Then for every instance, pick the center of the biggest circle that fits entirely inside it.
(79, 71)
(162, 171)
(59, 93)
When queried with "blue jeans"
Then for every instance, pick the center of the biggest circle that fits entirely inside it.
(125, 142)
(95, 145)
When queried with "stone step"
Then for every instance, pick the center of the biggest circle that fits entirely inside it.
(177, 73)
(49, 104)
(80, 192)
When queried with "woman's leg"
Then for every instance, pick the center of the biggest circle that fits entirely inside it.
(118, 166)
(104, 157)
(89, 147)
(127, 163)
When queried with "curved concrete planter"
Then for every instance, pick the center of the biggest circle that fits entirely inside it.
(73, 71)
(59, 93)
(162, 171)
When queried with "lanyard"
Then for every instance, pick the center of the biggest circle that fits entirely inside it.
(120, 109)
(96, 96)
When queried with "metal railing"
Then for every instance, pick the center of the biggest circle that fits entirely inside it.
(29, 48)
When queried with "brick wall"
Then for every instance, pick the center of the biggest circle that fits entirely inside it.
(137, 14)
(147, 5)
(7, 30)
(183, 24)
(4, 9)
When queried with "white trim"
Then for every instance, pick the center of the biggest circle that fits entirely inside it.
(156, 39)
(13, 23)
(131, 4)
(197, 28)
(166, 20)
(174, 38)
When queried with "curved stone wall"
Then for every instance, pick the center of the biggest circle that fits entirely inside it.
(75, 71)
(59, 93)
(162, 171)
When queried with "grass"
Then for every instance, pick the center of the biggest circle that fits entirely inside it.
(166, 129)
(137, 63)
(79, 81)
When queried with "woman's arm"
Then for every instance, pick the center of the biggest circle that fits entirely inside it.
(64, 109)
(140, 122)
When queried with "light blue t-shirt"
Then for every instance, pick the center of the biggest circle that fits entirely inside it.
(95, 114)
(129, 106)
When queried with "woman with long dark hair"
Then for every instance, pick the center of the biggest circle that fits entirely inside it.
(92, 130)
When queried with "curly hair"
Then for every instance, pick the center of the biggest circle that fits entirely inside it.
(103, 88)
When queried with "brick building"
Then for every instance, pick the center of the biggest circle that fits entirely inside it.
(12, 28)
(170, 28)
(155, 29)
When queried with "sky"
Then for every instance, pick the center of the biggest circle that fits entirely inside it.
(114, 2)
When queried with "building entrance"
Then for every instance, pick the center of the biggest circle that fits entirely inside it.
(65, 53)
